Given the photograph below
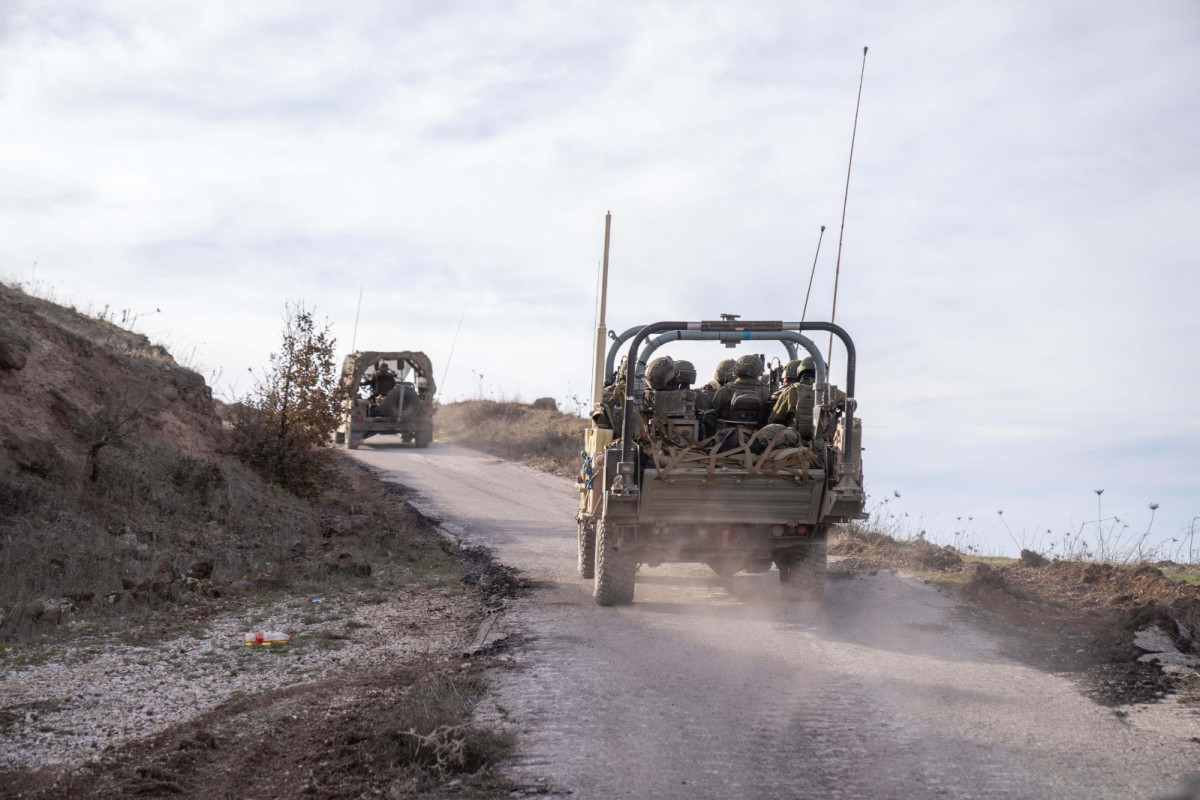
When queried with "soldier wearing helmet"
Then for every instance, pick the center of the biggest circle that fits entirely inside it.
(685, 375)
(660, 373)
(609, 412)
(744, 401)
(382, 380)
(793, 403)
(706, 393)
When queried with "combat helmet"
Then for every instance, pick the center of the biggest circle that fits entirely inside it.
(660, 373)
(724, 373)
(685, 374)
(808, 365)
(748, 366)
(791, 372)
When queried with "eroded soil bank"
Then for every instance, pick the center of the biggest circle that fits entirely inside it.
(1079, 618)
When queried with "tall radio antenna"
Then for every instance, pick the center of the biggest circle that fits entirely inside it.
(811, 275)
(453, 344)
(354, 338)
(845, 197)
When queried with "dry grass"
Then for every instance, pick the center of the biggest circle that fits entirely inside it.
(114, 466)
(547, 440)
(1034, 588)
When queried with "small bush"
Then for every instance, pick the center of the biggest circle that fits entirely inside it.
(284, 426)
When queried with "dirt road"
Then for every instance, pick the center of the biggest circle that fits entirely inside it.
(711, 688)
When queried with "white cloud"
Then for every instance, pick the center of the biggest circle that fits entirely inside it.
(1019, 267)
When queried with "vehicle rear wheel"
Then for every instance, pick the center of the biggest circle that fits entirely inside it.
(802, 572)
(587, 550)
(424, 438)
(352, 442)
(615, 569)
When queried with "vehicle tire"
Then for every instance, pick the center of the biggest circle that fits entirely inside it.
(352, 442)
(614, 569)
(424, 438)
(725, 567)
(587, 550)
(802, 572)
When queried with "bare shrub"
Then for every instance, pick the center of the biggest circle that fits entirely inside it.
(286, 422)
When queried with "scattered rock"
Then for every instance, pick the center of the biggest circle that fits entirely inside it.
(32, 454)
(344, 525)
(14, 349)
(346, 562)
(1160, 648)
(201, 585)
(1032, 559)
(159, 581)
(200, 740)
(52, 614)
(128, 542)
(202, 569)
(240, 586)
(33, 610)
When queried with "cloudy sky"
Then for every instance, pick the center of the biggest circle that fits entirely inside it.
(1019, 268)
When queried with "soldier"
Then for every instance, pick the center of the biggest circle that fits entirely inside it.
(706, 393)
(745, 401)
(385, 379)
(609, 412)
(685, 375)
(660, 373)
(793, 404)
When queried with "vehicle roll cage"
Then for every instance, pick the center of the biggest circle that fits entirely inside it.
(731, 332)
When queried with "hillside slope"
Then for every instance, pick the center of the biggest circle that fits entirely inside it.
(117, 477)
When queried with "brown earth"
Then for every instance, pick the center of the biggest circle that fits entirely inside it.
(1071, 616)
(127, 519)
(121, 487)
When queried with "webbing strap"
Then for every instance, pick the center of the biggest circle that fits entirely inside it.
(792, 461)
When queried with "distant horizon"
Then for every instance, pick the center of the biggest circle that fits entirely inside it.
(1018, 270)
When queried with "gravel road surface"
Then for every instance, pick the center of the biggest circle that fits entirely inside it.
(710, 688)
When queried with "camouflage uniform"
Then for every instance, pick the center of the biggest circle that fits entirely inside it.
(794, 408)
(745, 401)
(706, 393)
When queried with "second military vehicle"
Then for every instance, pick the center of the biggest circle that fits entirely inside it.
(387, 393)
(677, 474)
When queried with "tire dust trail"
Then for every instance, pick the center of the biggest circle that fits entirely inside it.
(717, 688)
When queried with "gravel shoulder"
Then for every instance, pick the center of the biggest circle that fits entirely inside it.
(90, 698)
(374, 692)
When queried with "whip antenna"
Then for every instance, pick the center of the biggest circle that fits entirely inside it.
(453, 343)
(845, 197)
(820, 236)
(354, 338)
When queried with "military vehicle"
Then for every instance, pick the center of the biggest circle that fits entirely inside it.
(686, 486)
(387, 393)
